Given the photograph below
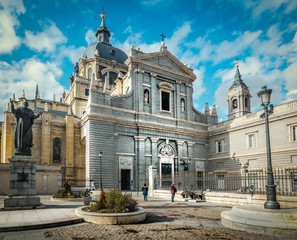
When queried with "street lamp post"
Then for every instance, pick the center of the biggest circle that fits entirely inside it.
(245, 168)
(185, 163)
(271, 202)
(100, 158)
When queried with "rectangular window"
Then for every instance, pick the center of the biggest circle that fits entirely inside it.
(294, 133)
(251, 139)
(165, 101)
(219, 146)
(86, 92)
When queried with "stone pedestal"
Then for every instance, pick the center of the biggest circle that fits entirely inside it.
(22, 193)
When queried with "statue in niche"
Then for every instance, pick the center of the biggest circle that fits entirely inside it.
(76, 69)
(99, 74)
(182, 105)
(146, 97)
(23, 133)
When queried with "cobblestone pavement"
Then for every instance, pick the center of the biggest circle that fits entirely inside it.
(165, 220)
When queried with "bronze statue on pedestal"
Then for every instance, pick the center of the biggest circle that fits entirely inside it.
(23, 133)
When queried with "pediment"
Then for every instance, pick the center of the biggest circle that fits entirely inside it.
(165, 60)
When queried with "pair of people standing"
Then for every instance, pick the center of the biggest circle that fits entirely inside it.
(145, 191)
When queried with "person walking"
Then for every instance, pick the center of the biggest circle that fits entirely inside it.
(144, 191)
(173, 191)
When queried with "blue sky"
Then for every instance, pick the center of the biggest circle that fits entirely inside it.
(40, 40)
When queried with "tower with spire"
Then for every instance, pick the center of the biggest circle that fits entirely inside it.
(238, 97)
(102, 33)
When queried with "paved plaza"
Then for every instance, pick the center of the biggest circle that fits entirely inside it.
(60, 216)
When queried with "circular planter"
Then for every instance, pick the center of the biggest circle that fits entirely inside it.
(112, 218)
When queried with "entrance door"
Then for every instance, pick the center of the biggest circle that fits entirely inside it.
(125, 179)
(166, 175)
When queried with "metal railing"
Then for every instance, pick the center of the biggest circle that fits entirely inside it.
(253, 182)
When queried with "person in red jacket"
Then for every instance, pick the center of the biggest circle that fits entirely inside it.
(173, 191)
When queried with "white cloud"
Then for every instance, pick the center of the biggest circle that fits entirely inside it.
(259, 7)
(8, 23)
(25, 75)
(71, 52)
(198, 87)
(90, 37)
(290, 75)
(46, 40)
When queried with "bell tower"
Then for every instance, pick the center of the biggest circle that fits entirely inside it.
(239, 97)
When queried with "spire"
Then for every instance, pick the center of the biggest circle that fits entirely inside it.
(23, 94)
(13, 96)
(54, 98)
(237, 79)
(37, 94)
(206, 110)
(214, 110)
(103, 33)
(64, 94)
(7, 108)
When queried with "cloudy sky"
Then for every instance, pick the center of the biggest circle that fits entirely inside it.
(40, 40)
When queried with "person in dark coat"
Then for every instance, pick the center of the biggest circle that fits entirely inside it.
(144, 191)
(173, 191)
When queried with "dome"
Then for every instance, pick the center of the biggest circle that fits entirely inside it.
(107, 52)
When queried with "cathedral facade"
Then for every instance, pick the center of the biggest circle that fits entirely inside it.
(124, 114)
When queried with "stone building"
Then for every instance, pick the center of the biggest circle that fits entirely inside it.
(125, 114)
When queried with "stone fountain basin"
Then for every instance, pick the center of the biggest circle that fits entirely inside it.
(112, 218)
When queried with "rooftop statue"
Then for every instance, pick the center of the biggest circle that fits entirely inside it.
(23, 133)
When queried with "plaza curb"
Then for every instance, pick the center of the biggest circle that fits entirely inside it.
(42, 226)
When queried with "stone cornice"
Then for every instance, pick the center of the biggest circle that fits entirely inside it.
(139, 138)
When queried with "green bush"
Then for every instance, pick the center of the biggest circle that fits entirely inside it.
(113, 202)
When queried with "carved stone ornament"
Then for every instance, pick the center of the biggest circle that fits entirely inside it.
(166, 150)
(125, 161)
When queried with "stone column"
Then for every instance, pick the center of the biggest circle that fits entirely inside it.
(189, 100)
(140, 160)
(178, 98)
(155, 160)
(45, 138)
(154, 93)
(69, 146)
(152, 174)
(180, 169)
(191, 170)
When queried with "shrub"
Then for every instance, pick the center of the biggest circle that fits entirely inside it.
(113, 202)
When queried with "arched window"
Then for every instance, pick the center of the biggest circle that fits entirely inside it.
(90, 73)
(57, 150)
(246, 102)
(146, 97)
(234, 103)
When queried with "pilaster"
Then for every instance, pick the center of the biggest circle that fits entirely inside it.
(69, 145)
(154, 93)
(140, 142)
(45, 138)
(7, 138)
